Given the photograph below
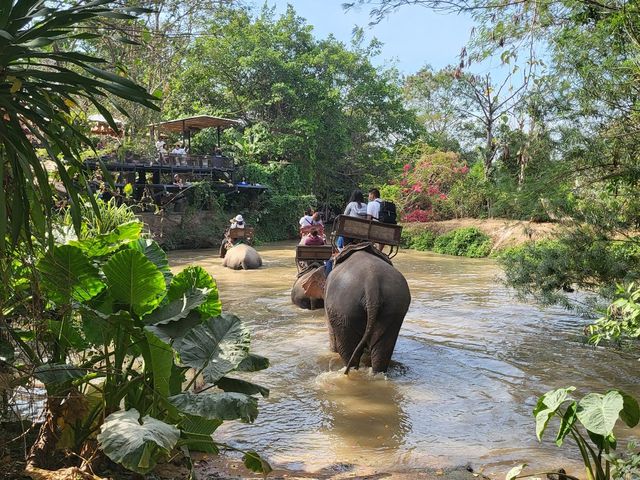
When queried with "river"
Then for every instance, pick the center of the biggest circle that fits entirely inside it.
(469, 366)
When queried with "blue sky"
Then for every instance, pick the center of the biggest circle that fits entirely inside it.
(412, 36)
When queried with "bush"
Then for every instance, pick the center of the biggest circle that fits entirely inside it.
(422, 241)
(464, 242)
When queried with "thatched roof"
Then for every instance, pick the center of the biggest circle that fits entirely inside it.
(195, 123)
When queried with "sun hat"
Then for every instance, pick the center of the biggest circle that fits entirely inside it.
(239, 218)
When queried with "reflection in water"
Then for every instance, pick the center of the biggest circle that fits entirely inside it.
(470, 364)
(362, 410)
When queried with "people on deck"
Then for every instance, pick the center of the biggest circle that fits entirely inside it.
(177, 180)
(179, 150)
(161, 146)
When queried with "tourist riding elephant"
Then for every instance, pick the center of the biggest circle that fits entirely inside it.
(365, 299)
(242, 256)
(303, 299)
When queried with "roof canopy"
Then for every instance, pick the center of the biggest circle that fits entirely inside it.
(195, 123)
(100, 119)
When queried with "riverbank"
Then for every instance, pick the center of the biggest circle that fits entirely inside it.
(504, 233)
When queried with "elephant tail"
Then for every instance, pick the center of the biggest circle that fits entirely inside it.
(372, 312)
(357, 353)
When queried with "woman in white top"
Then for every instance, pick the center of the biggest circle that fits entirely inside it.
(356, 207)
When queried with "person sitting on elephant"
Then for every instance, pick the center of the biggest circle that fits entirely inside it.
(356, 207)
(313, 238)
(237, 222)
(307, 219)
(227, 241)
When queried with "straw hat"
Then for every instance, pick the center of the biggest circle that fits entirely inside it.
(239, 218)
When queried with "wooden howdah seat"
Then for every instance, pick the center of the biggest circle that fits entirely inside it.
(307, 255)
(360, 229)
(245, 234)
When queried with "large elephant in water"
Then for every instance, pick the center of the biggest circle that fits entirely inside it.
(242, 256)
(365, 299)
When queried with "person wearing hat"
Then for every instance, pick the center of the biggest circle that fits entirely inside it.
(237, 222)
(228, 242)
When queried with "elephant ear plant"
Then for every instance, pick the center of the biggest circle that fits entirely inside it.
(597, 414)
(131, 339)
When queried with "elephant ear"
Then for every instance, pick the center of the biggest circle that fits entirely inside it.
(313, 286)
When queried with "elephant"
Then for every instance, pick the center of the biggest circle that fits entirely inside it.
(242, 256)
(302, 299)
(365, 300)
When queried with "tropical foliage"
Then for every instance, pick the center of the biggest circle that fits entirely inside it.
(40, 88)
(128, 343)
(596, 415)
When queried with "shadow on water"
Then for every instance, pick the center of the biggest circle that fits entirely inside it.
(470, 363)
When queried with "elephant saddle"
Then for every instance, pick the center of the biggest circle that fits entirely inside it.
(354, 247)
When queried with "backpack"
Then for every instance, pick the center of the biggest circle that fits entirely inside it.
(387, 213)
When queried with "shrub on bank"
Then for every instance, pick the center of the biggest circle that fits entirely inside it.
(422, 241)
(463, 242)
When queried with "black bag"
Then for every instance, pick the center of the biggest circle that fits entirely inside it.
(387, 212)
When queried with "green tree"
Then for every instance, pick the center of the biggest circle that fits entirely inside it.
(325, 108)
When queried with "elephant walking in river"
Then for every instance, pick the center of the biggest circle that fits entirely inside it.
(366, 300)
(242, 256)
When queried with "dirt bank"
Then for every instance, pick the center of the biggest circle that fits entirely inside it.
(504, 233)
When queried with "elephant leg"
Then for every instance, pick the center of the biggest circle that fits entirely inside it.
(382, 348)
(347, 338)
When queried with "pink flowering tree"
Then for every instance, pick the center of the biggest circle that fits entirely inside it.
(424, 186)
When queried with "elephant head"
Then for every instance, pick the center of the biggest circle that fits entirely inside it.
(310, 297)
(242, 256)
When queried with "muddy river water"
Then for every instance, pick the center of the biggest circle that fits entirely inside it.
(469, 366)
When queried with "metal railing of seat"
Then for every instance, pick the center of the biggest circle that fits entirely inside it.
(362, 230)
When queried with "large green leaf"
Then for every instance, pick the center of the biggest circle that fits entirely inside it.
(630, 413)
(221, 406)
(134, 281)
(196, 277)
(567, 423)
(599, 413)
(197, 433)
(216, 347)
(547, 407)
(256, 463)
(253, 363)
(168, 332)
(103, 244)
(161, 363)
(136, 444)
(241, 386)
(177, 309)
(99, 328)
(56, 374)
(67, 274)
(155, 254)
